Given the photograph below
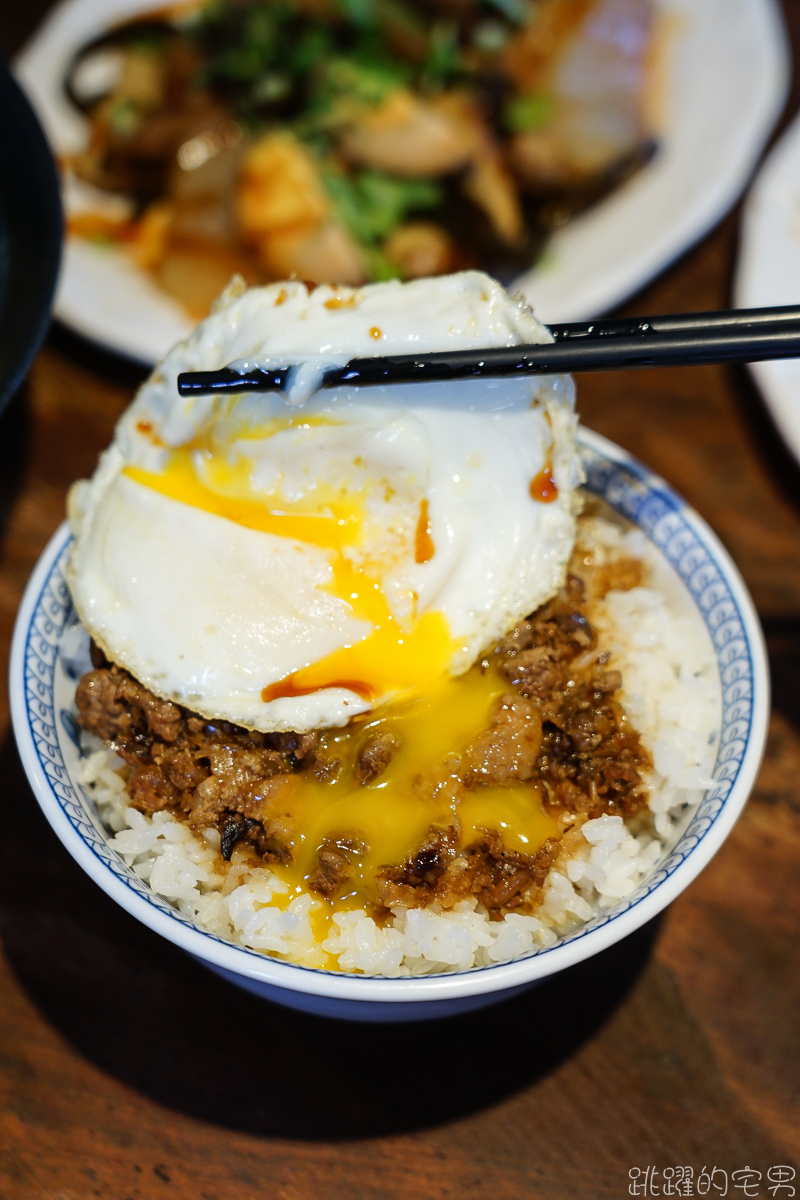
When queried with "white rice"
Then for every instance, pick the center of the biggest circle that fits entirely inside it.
(671, 693)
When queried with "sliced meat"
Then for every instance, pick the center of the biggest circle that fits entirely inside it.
(324, 769)
(588, 762)
(442, 787)
(560, 627)
(500, 876)
(607, 681)
(205, 805)
(163, 718)
(413, 882)
(536, 672)
(300, 747)
(537, 656)
(238, 828)
(180, 766)
(434, 855)
(335, 864)
(237, 769)
(100, 708)
(509, 748)
(262, 797)
(501, 879)
(217, 797)
(375, 755)
(112, 705)
(150, 791)
(216, 773)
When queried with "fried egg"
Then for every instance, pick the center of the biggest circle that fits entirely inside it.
(287, 562)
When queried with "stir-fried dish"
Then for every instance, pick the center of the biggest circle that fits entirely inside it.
(353, 140)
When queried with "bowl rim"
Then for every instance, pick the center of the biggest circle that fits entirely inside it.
(632, 490)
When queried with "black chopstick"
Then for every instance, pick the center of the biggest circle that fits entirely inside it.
(682, 339)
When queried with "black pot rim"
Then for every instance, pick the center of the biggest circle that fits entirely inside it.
(31, 214)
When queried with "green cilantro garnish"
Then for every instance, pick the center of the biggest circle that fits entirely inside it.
(526, 113)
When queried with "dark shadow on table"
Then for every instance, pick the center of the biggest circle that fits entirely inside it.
(151, 1017)
(15, 443)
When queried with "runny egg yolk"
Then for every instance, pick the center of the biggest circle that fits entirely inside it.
(386, 661)
(227, 493)
(433, 716)
(392, 814)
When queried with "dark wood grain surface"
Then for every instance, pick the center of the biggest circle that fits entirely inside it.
(127, 1071)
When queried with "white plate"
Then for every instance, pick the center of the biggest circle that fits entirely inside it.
(769, 271)
(725, 75)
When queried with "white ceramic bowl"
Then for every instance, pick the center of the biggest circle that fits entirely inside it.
(41, 698)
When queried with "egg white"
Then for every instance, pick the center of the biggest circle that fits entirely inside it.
(208, 612)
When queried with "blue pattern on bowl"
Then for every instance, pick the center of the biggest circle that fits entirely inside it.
(626, 486)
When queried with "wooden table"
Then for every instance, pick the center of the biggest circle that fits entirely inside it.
(127, 1071)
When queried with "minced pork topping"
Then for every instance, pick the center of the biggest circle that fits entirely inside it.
(557, 728)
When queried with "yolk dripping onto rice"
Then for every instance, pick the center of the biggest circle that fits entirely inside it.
(393, 812)
(433, 716)
(389, 660)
